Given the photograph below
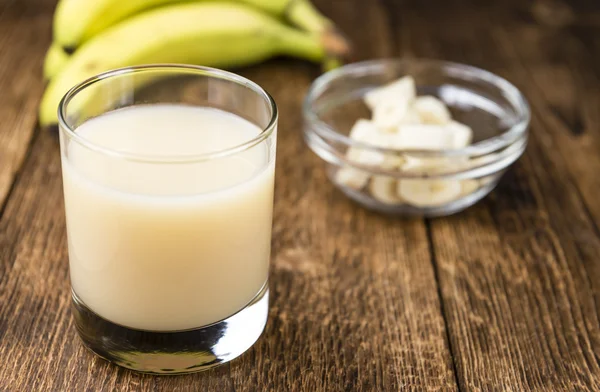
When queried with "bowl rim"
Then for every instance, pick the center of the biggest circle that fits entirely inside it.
(513, 95)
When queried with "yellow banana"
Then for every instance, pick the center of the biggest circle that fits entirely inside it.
(211, 34)
(77, 21)
(55, 60)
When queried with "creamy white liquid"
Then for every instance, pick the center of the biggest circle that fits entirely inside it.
(161, 246)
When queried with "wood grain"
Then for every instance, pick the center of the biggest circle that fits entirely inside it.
(519, 273)
(24, 36)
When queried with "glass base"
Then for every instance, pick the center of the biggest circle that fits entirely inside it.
(173, 352)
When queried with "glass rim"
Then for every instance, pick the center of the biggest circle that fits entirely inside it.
(510, 135)
(180, 158)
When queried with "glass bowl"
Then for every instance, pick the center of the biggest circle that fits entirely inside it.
(495, 110)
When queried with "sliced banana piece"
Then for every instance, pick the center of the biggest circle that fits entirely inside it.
(388, 118)
(468, 186)
(489, 179)
(429, 192)
(423, 137)
(365, 131)
(410, 118)
(384, 189)
(462, 134)
(365, 157)
(453, 135)
(392, 162)
(391, 104)
(352, 178)
(362, 131)
(429, 165)
(402, 90)
(431, 110)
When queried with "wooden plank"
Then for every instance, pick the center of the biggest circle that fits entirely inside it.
(519, 272)
(354, 301)
(358, 317)
(364, 307)
(24, 35)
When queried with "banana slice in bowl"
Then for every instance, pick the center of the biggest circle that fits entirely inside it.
(432, 138)
(429, 193)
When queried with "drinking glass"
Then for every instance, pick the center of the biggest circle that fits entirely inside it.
(168, 253)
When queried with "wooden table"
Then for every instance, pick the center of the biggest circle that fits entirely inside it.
(502, 297)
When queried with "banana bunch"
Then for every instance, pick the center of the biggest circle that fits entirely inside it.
(91, 37)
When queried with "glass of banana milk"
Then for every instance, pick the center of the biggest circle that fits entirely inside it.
(168, 178)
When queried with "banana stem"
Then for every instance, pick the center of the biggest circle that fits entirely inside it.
(303, 45)
(305, 16)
